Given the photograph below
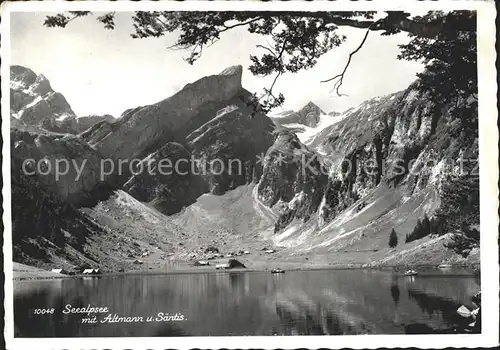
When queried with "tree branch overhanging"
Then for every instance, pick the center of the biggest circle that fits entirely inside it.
(271, 100)
(300, 38)
(340, 76)
(398, 21)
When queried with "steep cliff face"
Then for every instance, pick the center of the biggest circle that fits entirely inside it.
(219, 156)
(44, 155)
(210, 119)
(400, 139)
(387, 161)
(229, 145)
(170, 182)
(47, 229)
(52, 175)
(293, 180)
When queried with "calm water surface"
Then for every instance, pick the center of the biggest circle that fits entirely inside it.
(247, 303)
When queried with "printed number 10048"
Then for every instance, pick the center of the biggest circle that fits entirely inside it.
(43, 311)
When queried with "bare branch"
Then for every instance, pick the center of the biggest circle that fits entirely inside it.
(271, 100)
(340, 76)
(266, 48)
(282, 49)
(270, 90)
(195, 53)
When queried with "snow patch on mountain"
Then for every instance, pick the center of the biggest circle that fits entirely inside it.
(305, 123)
(325, 121)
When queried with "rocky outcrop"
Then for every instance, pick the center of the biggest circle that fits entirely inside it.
(384, 139)
(309, 115)
(293, 180)
(81, 124)
(209, 122)
(356, 149)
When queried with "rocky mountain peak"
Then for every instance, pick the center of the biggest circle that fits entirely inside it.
(212, 88)
(309, 115)
(207, 122)
(20, 75)
(236, 71)
(41, 86)
(311, 106)
(33, 102)
(172, 118)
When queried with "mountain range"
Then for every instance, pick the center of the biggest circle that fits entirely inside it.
(293, 191)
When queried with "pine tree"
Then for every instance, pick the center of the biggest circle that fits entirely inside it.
(393, 239)
(459, 204)
(435, 225)
(422, 229)
(415, 233)
(459, 213)
(57, 236)
(426, 227)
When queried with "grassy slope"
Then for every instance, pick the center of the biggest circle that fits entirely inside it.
(235, 221)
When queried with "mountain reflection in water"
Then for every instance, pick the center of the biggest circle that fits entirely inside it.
(322, 302)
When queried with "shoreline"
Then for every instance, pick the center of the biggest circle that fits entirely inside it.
(396, 269)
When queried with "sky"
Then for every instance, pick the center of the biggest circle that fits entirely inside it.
(103, 71)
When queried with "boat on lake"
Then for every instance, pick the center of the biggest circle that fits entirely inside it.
(277, 270)
(411, 273)
(445, 266)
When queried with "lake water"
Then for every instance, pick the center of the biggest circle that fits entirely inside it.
(246, 303)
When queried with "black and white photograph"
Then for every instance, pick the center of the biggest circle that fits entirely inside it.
(283, 172)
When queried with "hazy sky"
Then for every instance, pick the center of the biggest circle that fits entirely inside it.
(101, 71)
